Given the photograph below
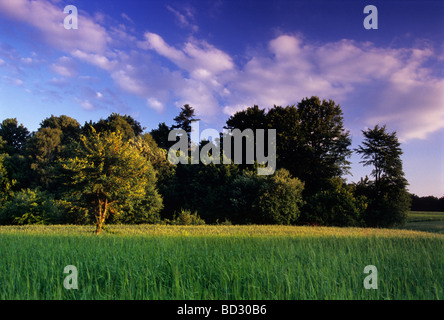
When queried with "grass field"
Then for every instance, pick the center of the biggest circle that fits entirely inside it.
(220, 262)
(426, 221)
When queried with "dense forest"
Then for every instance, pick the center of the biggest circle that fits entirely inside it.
(115, 171)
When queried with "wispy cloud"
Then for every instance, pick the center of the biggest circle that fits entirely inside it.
(402, 90)
(397, 86)
(47, 20)
(408, 96)
(65, 66)
(184, 17)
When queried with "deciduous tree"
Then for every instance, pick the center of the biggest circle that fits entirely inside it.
(107, 175)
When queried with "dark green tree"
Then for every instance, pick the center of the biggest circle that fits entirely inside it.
(251, 118)
(160, 135)
(43, 149)
(286, 122)
(69, 127)
(382, 151)
(14, 136)
(311, 141)
(6, 183)
(337, 205)
(186, 116)
(389, 200)
(323, 144)
(54, 139)
(126, 125)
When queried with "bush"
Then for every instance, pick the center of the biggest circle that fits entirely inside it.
(388, 204)
(280, 199)
(186, 218)
(242, 194)
(30, 207)
(336, 206)
(274, 199)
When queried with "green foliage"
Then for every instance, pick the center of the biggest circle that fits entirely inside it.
(158, 157)
(388, 204)
(280, 200)
(53, 140)
(110, 171)
(69, 127)
(201, 188)
(18, 170)
(6, 183)
(389, 200)
(382, 150)
(336, 206)
(13, 136)
(184, 119)
(243, 193)
(126, 125)
(30, 207)
(311, 141)
(160, 135)
(274, 199)
(186, 218)
(323, 144)
(108, 175)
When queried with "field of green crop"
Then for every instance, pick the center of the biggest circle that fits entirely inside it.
(219, 262)
(426, 221)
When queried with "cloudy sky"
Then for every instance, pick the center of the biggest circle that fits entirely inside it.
(147, 58)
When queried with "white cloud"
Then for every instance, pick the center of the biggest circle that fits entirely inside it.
(195, 55)
(155, 104)
(47, 19)
(395, 86)
(399, 90)
(408, 97)
(64, 67)
(206, 68)
(13, 81)
(98, 60)
(85, 104)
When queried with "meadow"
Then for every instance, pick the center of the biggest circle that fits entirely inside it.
(429, 221)
(219, 262)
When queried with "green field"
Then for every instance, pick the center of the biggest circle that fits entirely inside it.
(426, 221)
(219, 262)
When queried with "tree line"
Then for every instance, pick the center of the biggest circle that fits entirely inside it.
(113, 171)
(427, 203)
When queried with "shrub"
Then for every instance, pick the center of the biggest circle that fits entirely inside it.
(242, 194)
(336, 206)
(30, 207)
(280, 199)
(388, 203)
(186, 218)
(274, 199)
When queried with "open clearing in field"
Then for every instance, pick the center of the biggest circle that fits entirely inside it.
(219, 262)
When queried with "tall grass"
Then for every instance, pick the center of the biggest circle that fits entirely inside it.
(199, 265)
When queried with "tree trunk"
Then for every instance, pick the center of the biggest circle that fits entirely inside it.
(101, 216)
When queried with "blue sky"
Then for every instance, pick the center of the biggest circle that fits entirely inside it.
(148, 58)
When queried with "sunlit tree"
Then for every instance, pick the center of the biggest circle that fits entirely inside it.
(107, 175)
